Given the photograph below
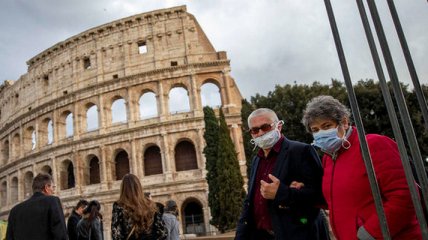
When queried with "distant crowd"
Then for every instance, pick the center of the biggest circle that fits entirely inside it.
(135, 215)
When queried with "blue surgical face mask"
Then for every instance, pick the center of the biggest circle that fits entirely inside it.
(328, 140)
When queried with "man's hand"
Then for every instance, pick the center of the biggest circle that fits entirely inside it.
(268, 190)
(297, 185)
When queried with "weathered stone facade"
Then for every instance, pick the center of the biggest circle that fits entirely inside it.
(118, 62)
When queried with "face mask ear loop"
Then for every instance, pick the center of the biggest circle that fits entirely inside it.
(345, 143)
(254, 143)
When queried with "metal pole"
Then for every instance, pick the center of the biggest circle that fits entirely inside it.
(394, 121)
(412, 70)
(401, 103)
(360, 128)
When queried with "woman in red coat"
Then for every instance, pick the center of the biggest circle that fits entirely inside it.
(346, 186)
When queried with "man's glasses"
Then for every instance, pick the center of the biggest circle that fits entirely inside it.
(265, 127)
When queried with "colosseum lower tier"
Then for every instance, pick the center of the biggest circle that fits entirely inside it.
(107, 102)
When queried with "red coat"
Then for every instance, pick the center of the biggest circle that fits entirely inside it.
(347, 191)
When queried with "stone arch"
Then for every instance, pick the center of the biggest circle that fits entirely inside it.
(121, 164)
(14, 190)
(118, 110)
(91, 119)
(46, 169)
(16, 145)
(65, 125)
(30, 139)
(4, 152)
(28, 182)
(67, 179)
(185, 156)
(3, 194)
(193, 217)
(152, 161)
(178, 99)
(93, 170)
(46, 132)
(147, 104)
(211, 94)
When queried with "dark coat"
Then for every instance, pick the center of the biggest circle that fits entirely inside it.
(90, 231)
(292, 211)
(38, 218)
(72, 225)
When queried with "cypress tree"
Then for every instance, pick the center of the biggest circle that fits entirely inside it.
(210, 151)
(229, 180)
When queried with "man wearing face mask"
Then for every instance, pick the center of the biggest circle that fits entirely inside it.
(273, 209)
(346, 186)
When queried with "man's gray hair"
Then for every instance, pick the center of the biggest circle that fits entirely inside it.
(326, 108)
(263, 111)
(40, 181)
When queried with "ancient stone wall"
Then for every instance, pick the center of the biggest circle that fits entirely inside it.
(45, 123)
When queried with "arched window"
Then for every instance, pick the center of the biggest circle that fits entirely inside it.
(3, 194)
(148, 105)
(67, 175)
(50, 132)
(46, 132)
(210, 95)
(121, 164)
(69, 129)
(94, 170)
(118, 111)
(47, 169)
(152, 161)
(92, 118)
(14, 190)
(185, 156)
(178, 100)
(30, 139)
(193, 219)
(28, 181)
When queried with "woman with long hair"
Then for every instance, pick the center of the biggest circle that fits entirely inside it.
(90, 227)
(134, 216)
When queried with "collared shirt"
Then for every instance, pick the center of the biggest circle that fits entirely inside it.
(266, 164)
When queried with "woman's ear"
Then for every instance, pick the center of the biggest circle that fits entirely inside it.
(345, 123)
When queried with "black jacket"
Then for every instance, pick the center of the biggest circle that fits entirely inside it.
(38, 218)
(72, 225)
(292, 211)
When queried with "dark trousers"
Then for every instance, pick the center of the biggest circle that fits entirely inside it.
(264, 235)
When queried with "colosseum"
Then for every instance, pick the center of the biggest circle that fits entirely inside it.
(107, 102)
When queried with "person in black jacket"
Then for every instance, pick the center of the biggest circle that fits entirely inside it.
(40, 217)
(274, 208)
(74, 218)
(90, 227)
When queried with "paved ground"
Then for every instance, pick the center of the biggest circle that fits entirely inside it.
(225, 236)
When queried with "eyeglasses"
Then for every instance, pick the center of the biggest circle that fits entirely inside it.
(265, 127)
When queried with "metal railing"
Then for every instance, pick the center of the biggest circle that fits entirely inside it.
(402, 107)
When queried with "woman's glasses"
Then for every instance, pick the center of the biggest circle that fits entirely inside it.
(265, 127)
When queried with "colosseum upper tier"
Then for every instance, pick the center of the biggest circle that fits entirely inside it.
(61, 116)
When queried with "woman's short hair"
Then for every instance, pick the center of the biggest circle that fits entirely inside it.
(324, 107)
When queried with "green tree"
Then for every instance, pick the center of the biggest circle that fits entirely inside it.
(211, 135)
(250, 151)
(230, 183)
